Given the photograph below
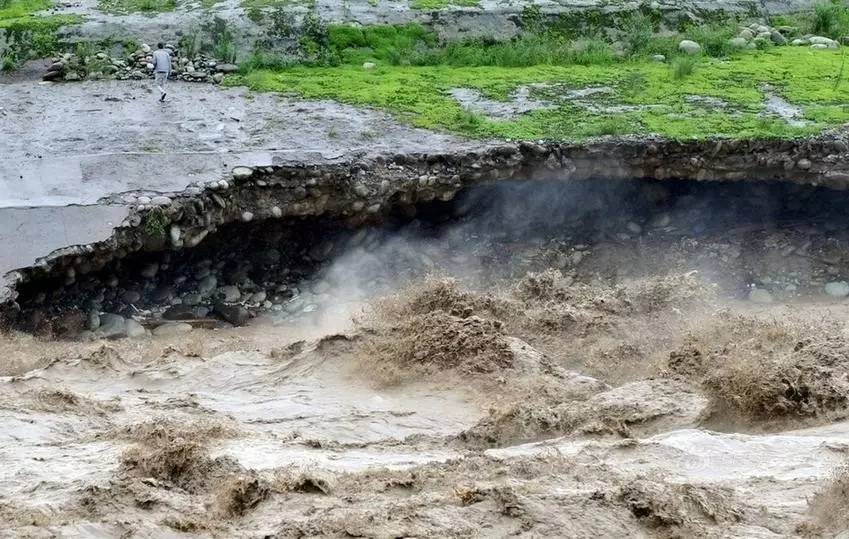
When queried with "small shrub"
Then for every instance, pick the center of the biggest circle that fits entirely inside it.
(682, 67)
(633, 83)
(255, 15)
(830, 19)
(638, 33)
(225, 50)
(191, 43)
(532, 20)
(8, 62)
(260, 59)
(155, 222)
(216, 38)
(468, 122)
(614, 125)
(592, 52)
(223, 45)
(714, 38)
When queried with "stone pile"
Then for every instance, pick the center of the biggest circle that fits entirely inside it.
(138, 65)
(759, 36)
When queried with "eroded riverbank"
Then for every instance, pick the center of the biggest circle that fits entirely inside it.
(609, 358)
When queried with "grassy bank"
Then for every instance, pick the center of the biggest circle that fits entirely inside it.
(557, 83)
(28, 34)
(640, 97)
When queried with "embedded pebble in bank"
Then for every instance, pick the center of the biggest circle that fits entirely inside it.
(229, 293)
(131, 296)
(241, 173)
(235, 314)
(93, 320)
(134, 329)
(112, 325)
(167, 330)
(759, 295)
(207, 284)
(149, 271)
(837, 289)
(320, 287)
(634, 228)
(160, 201)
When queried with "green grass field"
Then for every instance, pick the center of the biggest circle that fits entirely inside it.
(654, 100)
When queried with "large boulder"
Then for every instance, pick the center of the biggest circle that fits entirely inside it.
(738, 43)
(819, 40)
(689, 47)
(112, 326)
(235, 314)
(226, 68)
(777, 38)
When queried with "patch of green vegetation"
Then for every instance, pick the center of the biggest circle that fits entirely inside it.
(649, 97)
(36, 24)
(255, 14)
(387, 43)
(830, 18)
(682, 67)
(135, 6)
(14, 9)
(435, 5)
(29, 35)
(155, 222)
(261, 4)
(412, 44)
(713, 38)
(260, 59)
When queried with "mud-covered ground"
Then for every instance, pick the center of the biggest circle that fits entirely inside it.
(660, 374)
(102, 138)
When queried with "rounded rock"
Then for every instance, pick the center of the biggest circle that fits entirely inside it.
(160, 201)
(166, 330)
(738, 43)
(689, 47)
(759, 295)
(207, 284)
(134, 329)
(837, 289)
(241, 173)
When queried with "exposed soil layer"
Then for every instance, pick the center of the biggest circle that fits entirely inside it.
(750, 240)
(362, 190)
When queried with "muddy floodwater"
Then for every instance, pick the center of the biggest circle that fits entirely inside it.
(535, 362)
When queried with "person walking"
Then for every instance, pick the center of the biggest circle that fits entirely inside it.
(161, 69)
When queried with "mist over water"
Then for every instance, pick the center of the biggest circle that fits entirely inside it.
(501, 231)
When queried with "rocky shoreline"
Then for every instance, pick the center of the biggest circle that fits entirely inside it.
(81, 65)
